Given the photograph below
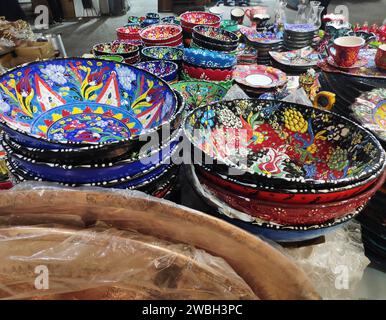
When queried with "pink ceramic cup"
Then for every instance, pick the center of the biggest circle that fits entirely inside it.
(345, 50)
(380, 57)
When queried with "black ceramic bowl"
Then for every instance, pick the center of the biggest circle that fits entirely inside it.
(215, 35)
(213, 46)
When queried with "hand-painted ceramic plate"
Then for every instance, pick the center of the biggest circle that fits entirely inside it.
(260, 37)
(259, 76)
(285, 143)
(362, 61)
(83, 101)
(305, 57)
(199, 93)
(370, 110)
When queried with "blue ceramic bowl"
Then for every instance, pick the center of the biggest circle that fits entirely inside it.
(75, 102)
(163, 53)
(209, 59)
(99, 174)
(166, 70)
(170, 19)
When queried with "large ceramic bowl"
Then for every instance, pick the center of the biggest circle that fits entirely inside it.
(209, 59)
(215, 35)
(191, 19)
(160, 33)
(69, 103)
(116, 47)
(199, 93)
(291, 214)
(166, 70)
(163, 53)
(285, 144)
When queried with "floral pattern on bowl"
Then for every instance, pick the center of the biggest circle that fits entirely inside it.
(166, 70)
(193, 18)
(209, 59)
(163, 53)
(285, 142)
(260, 37)
(217, 35)
(300, 27)
(122, 48)
(161, 32)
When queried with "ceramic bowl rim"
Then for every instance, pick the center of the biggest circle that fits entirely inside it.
(136, 48)
(210, 56)
(228, 48)
(158, 25)
(99, 144)
(143, 52)
(187, 13)
(174, 65)
(230, 34)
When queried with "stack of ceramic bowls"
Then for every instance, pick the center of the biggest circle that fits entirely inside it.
(130, 53)
(163, 53)
(191, 19)
(208, 65)
(166, 70)
(162, 35)
(86, 122)
(298, 36)
(263, 42)
(216, 39)
(130, 32)
(282, 170)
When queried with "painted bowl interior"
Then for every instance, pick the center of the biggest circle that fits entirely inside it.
(161, 32)
(217, 35)
(198, 18)
(209, 59)
(83, 101)
(131, 29)
(116, 47)
(163, 53)
(199, 93)
(285, 143)
(260, 37)
(160, 68)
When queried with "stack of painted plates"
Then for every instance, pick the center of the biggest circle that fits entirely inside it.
(298, 36)
(257, 79)
(129, 52)
(264, 42)
(86, 121)
(281, 170)
(169, 35)
(191, 19)
(208, 65)
(216, 39)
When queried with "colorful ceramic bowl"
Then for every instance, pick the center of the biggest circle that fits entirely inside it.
(163, 53)
(166, 70)
(135, 19)
(285, 144)
(207, 73)
(170, 19)
(116, 47)
(191, 19)
(199, 93)
(115, 58)
(209, 59)
(229, 25)
(161, 33)
(69, 103)
(130, 32)
(213, 46)
(300, 28)
(259, 76)
(292, 214)
(263, 228)
(133, 60)
(265, 38)
(215, 35)
(97, 174)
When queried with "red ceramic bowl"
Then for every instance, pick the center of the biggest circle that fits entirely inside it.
(207, 74)
(172, 43)
(191, 19)
(159, 34)
(129, 33)
(293, 214)
(283, 196)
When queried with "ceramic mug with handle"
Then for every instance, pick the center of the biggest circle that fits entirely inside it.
(380, 57)
(345, 50)
(237, 14)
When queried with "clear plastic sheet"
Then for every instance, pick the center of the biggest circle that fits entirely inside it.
(335, 266)
(110, 264)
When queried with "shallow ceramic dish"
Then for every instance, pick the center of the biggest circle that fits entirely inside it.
(370, 110)
(265, 192)
(199, 93)
(207, 73)
(275, 232)
(96, 173)
(361, 62)
(306, 57)
(209, 59)
(300, 28)
(285, 144)
(213, 46)
(70, 103)
(163, 53)
(267, 38)
(215, 35)
(191, 19)
(259, 76)
(160, 33)
(292, 214)
(116, 47)
(166, 70)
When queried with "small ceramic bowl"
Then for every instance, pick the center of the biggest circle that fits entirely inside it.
(157, 34)
(214, 46)
(148, 22)
(170, 19)
(209, 59)
(191, 19)
(163, 53)
(116, 48)
(207, 73)
(174, 43)
(229, 25)
(129, 32)
(166, 70)
(215, 35)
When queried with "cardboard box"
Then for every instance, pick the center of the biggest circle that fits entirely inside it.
(33, 50)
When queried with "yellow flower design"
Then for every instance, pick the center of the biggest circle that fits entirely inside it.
(312, 148)
(294, 121)
(258, 137)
